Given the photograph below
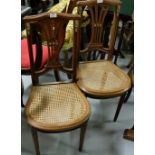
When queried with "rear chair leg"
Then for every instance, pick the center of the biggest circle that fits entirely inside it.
(57, 75)
(22, 104)
(35, 140)
(82, 135)
(128, 94)
(121, 101)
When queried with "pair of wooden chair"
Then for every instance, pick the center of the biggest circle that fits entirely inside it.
(62, 106)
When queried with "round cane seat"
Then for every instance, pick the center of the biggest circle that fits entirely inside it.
(57, 107)
(102, 78)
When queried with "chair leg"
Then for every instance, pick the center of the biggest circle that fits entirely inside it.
(121, 101)
(22, 92)
(57, 75)
(128, 95)
(35, 139)
(82, 135)
(131, 62)
(22, 104)
(116, 56)
(132, 127)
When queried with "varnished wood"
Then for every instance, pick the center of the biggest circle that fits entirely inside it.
(125, 97)
(98, 12)
(131, 75)
(129, 134)
(57, 75)
(39, 54)
(121, 101)
(82, 135)
(55, 106)
(101, 79)
(54, 32)
(35, 139)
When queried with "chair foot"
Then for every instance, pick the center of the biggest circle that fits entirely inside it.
(82, 135)
(121, 101)
(129, 134)
(35, 139)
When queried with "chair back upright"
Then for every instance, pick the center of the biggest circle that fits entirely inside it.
(98, 10)
(71, 6)
(50, 30)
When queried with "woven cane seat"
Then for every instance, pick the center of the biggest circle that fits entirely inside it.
(102, 78)
(57, 107)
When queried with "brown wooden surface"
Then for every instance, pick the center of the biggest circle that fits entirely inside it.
(129, 134)
(55, 106)
(98, 12)
(131, 75)
(101, 79)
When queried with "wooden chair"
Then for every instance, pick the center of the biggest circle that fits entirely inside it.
(54, 107)
(101, 79)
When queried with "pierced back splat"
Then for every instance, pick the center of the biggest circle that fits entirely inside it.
(52, 33)
(50, 29)
(98, 11)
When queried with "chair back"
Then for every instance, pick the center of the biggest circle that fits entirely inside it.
(97, 10)
(50, 31)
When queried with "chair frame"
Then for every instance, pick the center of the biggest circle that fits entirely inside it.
(53, 63)
(96, 39)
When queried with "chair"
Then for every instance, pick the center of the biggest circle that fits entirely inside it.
(54, 107)
(101, 79)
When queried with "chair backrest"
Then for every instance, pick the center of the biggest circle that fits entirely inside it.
(98, 10)
(38, 51)
(50, 31)
(39, 54)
